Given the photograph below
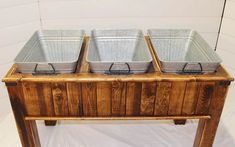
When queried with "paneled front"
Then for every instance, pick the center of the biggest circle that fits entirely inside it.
(117, 98)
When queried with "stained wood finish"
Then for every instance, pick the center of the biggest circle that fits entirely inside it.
(148, 96)
(190, 98)
(119, 118)
(74, 93)
(85, 95)
(104, 98)
(89, 99)
(207, 128)
(27, 129)
(133, 98)
(162, 98)
(177, 98)
(118, 98)
(60, 99)
(31, 98)
(205, 93)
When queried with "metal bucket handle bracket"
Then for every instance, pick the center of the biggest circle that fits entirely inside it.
(192, 71)
(119, 72)
(44, 72)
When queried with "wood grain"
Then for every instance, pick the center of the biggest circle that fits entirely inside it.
(207, 128)
(148, 96)
(205, 94)
(74, 93)
(104, 96)
(133, 98)
(89, 99)
(60, 99)
(118, 98)
(162, 98)
(45, 99)
(119, 118)
(27, 129)
(31, 98)
(190, 98)
(176, 98)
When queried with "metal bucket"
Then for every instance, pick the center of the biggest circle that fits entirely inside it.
(51, 51)
(118, 52)
(183, 51)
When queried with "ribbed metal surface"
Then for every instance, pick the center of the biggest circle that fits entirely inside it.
(48, 49)
(118, 51)
(183, 51)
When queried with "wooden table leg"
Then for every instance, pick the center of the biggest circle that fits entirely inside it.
(50, 122)
(207, 128)
(180, 121)
(27, 129)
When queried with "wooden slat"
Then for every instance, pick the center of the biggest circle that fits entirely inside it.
(118, 98)
(148, 96)
(120, 118)
(133, 98)
(162, 98)
(190, 98)
(207, 128)
(176, 98)
(60, 99)
(31, 99)
(104, 95)
(205, 93)
(89, 100)
(84, 65)
(74, 93)
(27, 129)
(45, 99)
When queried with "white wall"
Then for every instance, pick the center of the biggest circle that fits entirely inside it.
(20, 18)
(226, 45)
(226, 50)
(201, 15)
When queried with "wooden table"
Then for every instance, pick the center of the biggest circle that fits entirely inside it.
(83, 95)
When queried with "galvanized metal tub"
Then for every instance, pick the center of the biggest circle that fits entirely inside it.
(118, 52)
(183, 51)
(51, 51)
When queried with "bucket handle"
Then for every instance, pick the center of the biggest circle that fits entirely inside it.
(192, 71)
(44, 72)
(119, 72)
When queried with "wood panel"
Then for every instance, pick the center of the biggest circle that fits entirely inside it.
(148, 95)
(74, 93)
(205, 94)
(89, 99)
(27, 129)
(104, 95)
(45, 99)
(207, 128)
(133, 98)
(60, 99)
(31, 99)
(118, 98)
(176, 98)
(190, 98)
(162, 98)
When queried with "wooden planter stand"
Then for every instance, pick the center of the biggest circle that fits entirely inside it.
(150, 96)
